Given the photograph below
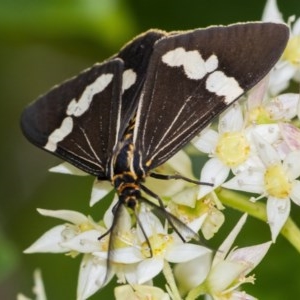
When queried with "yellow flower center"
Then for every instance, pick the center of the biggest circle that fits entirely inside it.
(104, 243)
(85, 227)
(292, 51)
(158, 243)
(259, 115)
(276, 182)
(232, 148)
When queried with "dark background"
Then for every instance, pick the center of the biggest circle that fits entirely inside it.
(43, 42)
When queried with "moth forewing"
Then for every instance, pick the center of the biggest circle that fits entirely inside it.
(64, 120)
(194, 76)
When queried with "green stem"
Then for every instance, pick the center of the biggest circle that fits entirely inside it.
(258, 210)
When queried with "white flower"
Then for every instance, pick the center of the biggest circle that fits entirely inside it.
(92, 276)
(192, 273)
(272, 119)
(204, 214)
(289, 65)
(229, 149)
(140, 292)
(264, 110)
(276, 180)
(116, 257)
(38, 288)
(230, 269)
(80, 235)
(221, 279)
(70, 236)
(162, 246)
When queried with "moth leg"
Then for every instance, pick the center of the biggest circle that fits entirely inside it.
(161, 205)
(138, 221)
(178, 176)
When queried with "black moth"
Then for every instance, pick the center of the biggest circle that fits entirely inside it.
(124, 117)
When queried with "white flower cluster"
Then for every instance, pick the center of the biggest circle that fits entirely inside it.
(254, 148)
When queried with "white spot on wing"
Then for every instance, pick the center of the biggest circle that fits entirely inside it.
(77, 108)
(211, 63)
(129, 78)
(194, 66)
(59, 134)
(218, 83)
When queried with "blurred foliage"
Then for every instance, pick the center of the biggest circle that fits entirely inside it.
(46, 41)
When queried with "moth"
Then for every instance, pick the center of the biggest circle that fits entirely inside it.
(121, 119)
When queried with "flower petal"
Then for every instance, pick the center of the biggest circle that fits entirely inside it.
(122, 292)
(66, 168)
(249, 181)
(284, 106)
(126, 255)
(291, 135)
(295, 193)
(223, 275)
(213, 222)
(241, 295)
(278, 211)
(108, 215)
(38, 288)
(143, 292)
(100, 189)
(270, 133)
(92, 276)
(271, 12)
(207, 141)
(267, 153)
(151, 225)
(257, 94)
(280, 77)
(187, 196)
(228, 242)
(195, 225)
(251, 256)
(253, 162)
(231, 120)
(192, 273)
(215, 172)
(50, 241)
(139, 292)
(66, 215)
(296, 27)
(184, 252)
(291, 165)
(149, 268)
(86, 242)
(181, 164)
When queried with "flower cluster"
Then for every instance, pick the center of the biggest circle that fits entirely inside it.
(252, 150)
